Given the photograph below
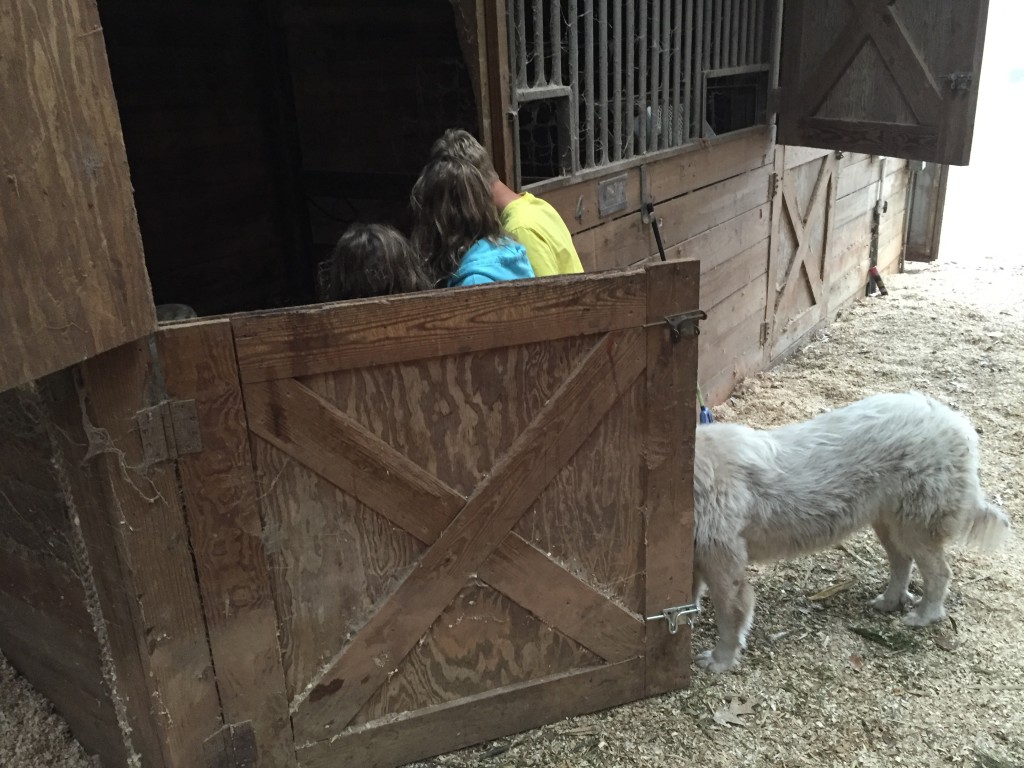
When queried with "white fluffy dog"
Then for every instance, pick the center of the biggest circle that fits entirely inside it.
(902, 463)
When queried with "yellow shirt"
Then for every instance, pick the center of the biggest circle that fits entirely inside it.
(537, 225)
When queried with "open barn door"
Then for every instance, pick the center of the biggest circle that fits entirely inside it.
(73, 282)
(886, 77)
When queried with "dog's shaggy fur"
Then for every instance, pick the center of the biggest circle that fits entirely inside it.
(902, 463)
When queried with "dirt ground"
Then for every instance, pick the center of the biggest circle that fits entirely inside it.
(825, 681)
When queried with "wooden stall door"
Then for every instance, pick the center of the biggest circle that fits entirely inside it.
(803, 211)
(73, 282)
(471, 501)
(885, 77)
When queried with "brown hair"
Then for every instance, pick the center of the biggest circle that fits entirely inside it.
(370, 260)
(457, 144)
(452, 209)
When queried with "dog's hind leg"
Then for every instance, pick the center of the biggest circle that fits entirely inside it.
(733, 598)
(896, 594)
(935, 575)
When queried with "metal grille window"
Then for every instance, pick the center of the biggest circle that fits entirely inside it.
(598, 82)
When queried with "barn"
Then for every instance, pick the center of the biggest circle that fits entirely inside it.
(360, 533)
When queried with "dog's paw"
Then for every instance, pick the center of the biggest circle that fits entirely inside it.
(706, 661)
(886, 605)
(922, 618)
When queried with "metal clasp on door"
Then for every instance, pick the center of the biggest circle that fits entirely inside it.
(672, 615)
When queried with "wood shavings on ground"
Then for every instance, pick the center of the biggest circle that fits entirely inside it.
(825, 695)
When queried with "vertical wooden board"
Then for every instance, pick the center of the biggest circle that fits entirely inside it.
(36, 525)
(590, 519)
(154, 547)
(455, 416)
(672, 288)
(100, 532)
(218, 487)
(481, 642)
(69, 237)
(332, 560)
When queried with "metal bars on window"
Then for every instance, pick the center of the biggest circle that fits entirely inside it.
(595, 82)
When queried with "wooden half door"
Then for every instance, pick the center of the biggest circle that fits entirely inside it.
(885, 77)
(471, 501)
(802, 218)
(73, 282)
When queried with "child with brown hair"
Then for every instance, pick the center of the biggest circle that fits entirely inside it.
(457, 230)
(528, 219)
(371, 260)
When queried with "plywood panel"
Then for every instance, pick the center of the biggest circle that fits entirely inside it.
(75, 283)
(481, 642)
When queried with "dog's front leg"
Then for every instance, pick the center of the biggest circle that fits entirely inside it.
(733, 598)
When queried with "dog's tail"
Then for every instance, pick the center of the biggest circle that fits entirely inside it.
(989, 527)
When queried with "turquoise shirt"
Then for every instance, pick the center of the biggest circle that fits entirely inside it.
(489, 262)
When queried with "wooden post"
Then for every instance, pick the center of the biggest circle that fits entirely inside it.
(219, 495)
(672, 288)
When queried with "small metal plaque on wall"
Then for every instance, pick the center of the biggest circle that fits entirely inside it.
(611, 195)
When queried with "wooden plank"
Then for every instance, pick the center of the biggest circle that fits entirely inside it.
(526, 575)
(914, 141)
(733, 368)
(312, 431)
(218, 486)
(497, 504)
(114, 597)
(737, 306)
(668, 499)
(678, 172)
(627, 240)
(796, 156)
(153, 546)
(319, 436)
(716, 246)
(354, 334)
(487, 716)
(70, 239)
(738, 272)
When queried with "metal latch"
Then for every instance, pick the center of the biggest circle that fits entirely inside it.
(671, 615)
(960, 81)
(168, 430)
(685, 323)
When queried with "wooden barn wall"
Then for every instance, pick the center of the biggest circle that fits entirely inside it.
(374, 85)
(860, 177)
(195, 86)
(46, 629)
(714, 203)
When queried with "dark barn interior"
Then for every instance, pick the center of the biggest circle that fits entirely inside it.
(257, 131)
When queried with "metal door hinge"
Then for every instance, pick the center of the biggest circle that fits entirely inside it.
(168, 430)
(773, 186)
(671, 615)
(764, 334)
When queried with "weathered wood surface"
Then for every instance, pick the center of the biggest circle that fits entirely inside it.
(225, 532)
(874, 76)
(473, 534)
(482, 717)
(351, 335)
(668, 496)
(74, 283)
(153, 545)
(48, 610)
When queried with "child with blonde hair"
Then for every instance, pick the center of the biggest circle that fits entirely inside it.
(371, 260)
(457, 230)
(530, 220)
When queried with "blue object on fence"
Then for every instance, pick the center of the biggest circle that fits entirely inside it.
(705, 413)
